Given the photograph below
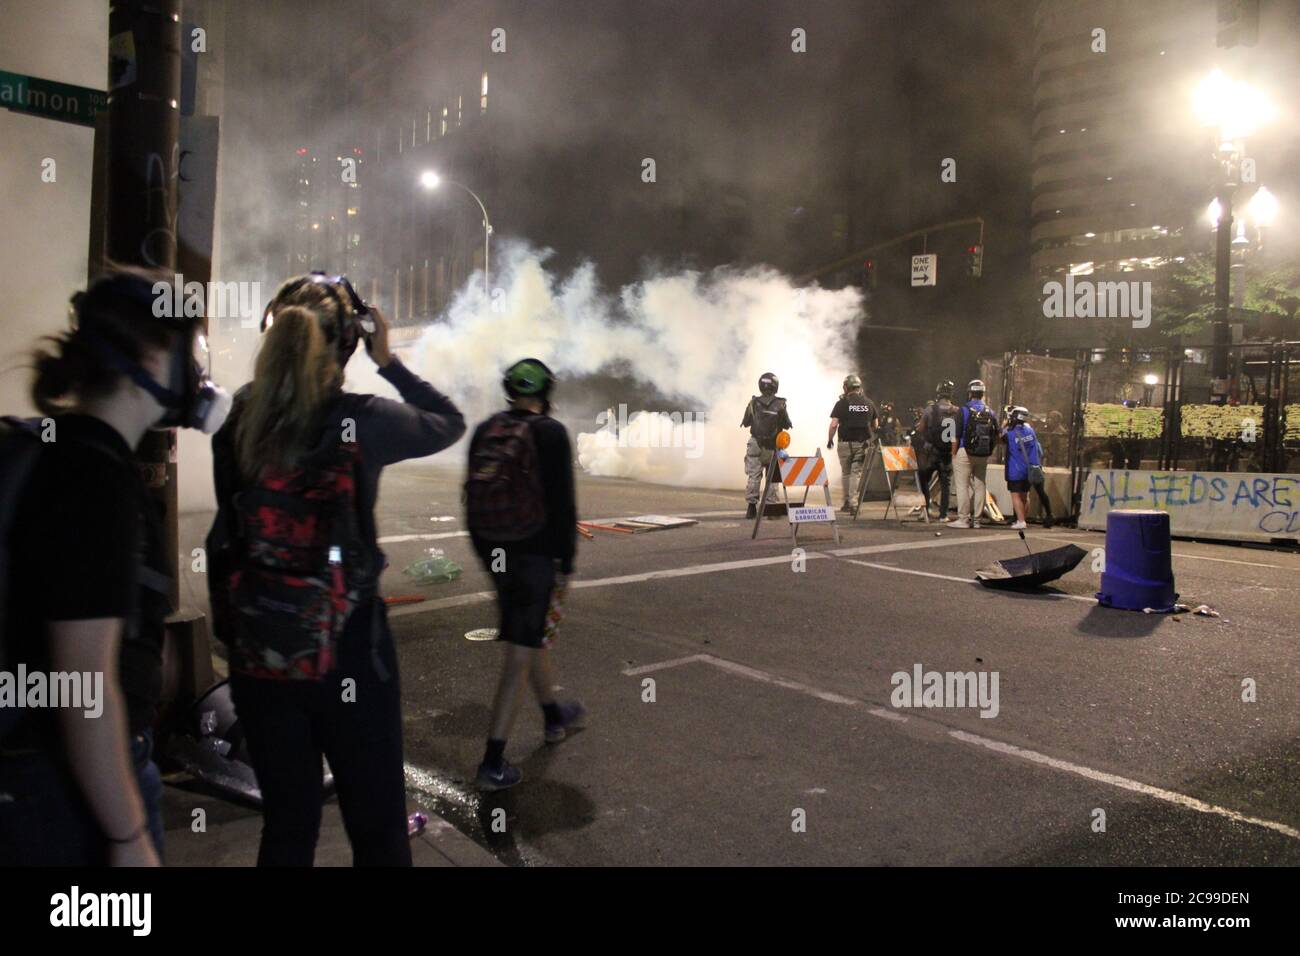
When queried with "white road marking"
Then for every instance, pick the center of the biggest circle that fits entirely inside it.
(399, 538)
(953, 577)
(1123, 783)
(919, 545)
(988, 743)
(478, 597)
(754, 673)
(664, 665)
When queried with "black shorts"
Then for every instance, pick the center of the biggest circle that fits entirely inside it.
(1019, 485)
(523, 596)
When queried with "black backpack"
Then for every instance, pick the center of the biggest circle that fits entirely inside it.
(981, 433)
(765, 417)
(20, 446)
(504, 497)
(941, 414)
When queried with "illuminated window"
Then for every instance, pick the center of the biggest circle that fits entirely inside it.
(442, 131)
(428, 126)
(460, 103)
(482, 95)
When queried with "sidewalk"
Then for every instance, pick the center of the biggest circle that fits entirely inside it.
(233, 831)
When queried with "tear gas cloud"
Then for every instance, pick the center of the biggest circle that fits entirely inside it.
(700, 340)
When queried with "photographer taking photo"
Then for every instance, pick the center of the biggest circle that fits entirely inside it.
(295, 567)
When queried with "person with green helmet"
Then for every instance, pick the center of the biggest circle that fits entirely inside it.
(522, 517)
(856, 419)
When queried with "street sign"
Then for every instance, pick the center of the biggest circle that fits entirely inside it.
(59, 101)
(925, 269)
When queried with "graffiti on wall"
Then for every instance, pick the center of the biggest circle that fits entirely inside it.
(1213, 504)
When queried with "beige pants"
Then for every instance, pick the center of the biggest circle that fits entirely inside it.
(757, 460)
(853, 459)
(972, 492)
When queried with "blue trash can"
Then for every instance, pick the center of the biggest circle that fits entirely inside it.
(1139, 567)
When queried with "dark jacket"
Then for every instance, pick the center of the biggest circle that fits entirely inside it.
(558, 539)
(424, 422)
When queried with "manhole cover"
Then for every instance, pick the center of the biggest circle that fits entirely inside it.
(481, 634)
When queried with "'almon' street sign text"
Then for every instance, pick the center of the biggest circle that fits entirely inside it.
(60, 101)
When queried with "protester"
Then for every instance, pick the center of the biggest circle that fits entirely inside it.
(765, 416)
(975, 443)
(855, 418)
(294, 570)
(522, 515)
(939, 429)
(1024, 466)
(86, 584)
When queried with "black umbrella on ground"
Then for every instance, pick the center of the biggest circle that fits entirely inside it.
(1033, 570)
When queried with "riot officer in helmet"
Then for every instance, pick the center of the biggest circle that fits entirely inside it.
(765, 417)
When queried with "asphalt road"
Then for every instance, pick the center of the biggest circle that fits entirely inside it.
(771, 737)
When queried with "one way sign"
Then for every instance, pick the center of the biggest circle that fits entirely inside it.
(925, 269)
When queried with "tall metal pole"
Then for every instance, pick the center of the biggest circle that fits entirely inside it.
(487, 234)
(1222, 296)
(144, 81)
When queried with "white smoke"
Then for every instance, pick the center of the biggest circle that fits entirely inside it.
(701, 340)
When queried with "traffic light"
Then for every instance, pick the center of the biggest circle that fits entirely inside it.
(975, 261)
(869, 274)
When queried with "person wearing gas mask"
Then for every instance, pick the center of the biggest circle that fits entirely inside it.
(855, 418)
(86, 590)
(294, 566)
(765, 417)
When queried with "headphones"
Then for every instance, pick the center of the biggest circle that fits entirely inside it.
(352, 327)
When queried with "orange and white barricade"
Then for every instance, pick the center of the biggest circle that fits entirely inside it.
(806, 472)
(895, 460)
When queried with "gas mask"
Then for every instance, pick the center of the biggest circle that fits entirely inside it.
(190, 398)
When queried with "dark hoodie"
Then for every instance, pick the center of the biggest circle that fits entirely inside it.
(424, 422)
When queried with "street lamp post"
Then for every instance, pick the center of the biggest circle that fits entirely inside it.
(431, 181)
(1234, 110)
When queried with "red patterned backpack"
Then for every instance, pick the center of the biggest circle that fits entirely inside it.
(298, 566)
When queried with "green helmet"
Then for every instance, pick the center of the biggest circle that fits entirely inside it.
(528, 377)
(852, 382)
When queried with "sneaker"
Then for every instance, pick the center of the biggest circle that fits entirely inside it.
(571, 714)
(846, 509)
(975, 524)
(500, 779)
(751, 511)
(960, 523)
(1048, 522)
(1019, 526)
